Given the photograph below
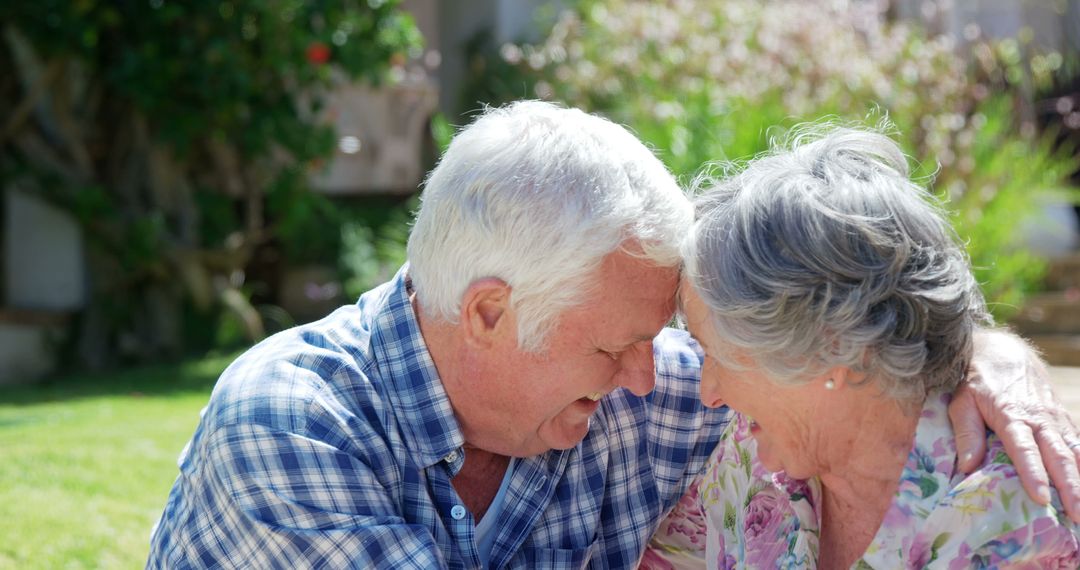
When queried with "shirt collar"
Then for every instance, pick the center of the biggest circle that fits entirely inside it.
(420, 402)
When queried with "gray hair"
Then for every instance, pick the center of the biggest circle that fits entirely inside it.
(538, 195)
(824, 253)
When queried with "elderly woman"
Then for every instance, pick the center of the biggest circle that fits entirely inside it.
(836, 313)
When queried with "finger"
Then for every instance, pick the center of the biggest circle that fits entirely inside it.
(969, 429)
(1072, 440)
(1020, 446)
(1060, 461)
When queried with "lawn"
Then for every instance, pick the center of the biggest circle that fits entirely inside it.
(86, 462)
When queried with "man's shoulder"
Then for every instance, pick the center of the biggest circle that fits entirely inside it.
(677, 354)
(320, 367)
(678, 360)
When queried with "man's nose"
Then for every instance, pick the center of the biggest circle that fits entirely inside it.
(638, 373)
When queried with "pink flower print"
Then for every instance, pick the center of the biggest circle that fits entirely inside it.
(742, 428)
(653, 561)
(1054, 546)
(992, 483)
(767, 519)
(899, 516)
(925, 549)
(930, 412)
(725, 561)
(759, 472)
(797, 489)
(690, 521)
(961, 561)
(1067, 561)
(918, 480)
(944, 449)
(919, 553)
(1051, 537)
(995, 552)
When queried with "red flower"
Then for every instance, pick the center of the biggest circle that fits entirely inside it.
(318, 53)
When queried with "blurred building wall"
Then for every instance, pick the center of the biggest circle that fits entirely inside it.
(1054, 25)
(381, 131)
(44, 267)
(44, 276)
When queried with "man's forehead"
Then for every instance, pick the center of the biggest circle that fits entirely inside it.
(626, 276)
(625, 324)
(635, 295)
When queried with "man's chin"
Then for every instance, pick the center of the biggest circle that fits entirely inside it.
(569, 436)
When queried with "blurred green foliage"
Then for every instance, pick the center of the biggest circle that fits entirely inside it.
(705, 81)
(372, 252)
(180, 135)
(229, 69)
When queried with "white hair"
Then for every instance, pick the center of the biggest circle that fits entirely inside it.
(537, 195)
(826, 254)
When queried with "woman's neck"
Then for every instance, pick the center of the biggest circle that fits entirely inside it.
(861, 475)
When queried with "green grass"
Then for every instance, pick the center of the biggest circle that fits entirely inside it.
(86, 462)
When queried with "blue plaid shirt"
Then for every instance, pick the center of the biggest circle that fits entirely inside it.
(333, 445)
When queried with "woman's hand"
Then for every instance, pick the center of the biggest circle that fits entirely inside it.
(1008, 389)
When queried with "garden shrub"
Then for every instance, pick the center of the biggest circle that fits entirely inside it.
(179, 135)
(705, 81)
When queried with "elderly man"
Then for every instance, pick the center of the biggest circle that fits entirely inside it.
(510, 399)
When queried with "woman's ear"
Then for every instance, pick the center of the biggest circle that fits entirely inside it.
(839, 377)
(486, 318)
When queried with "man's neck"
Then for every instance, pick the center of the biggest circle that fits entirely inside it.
(448, 353)
(479, 479)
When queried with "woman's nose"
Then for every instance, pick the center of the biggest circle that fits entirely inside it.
(709, 392)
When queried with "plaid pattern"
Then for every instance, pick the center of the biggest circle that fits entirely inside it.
(333, 444)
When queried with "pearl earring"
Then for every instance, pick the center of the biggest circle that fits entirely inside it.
(830, 385)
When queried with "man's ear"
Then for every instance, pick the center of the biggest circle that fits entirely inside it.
(486, 316)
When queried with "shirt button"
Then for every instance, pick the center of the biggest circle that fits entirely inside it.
(451, 457)
(458, 512)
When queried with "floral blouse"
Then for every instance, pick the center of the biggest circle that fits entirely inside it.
(738, 515)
